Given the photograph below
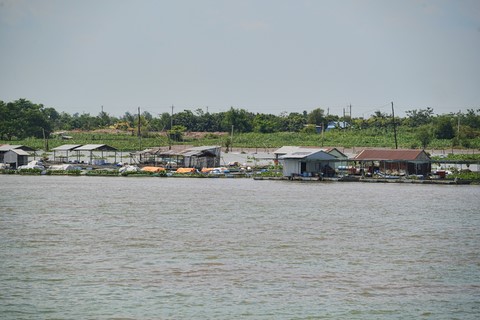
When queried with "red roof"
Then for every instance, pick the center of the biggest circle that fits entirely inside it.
(391, 154)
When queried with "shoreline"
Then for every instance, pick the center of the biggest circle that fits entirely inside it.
(356, 179)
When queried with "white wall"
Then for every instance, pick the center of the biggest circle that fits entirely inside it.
(291, 167)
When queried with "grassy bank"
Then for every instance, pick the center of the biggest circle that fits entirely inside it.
(406, 138)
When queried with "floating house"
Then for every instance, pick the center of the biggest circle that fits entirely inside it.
(193, 157)
(202, 157)
(308, 162)
(340, 158)
(16, 157)
(394, 161)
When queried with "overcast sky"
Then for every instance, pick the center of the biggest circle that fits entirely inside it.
(265, 56)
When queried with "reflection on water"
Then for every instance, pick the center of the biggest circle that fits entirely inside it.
(87, 247)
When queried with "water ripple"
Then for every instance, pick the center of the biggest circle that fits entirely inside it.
(87, 247)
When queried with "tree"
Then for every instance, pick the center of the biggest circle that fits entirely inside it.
(420, 117)
(163, 121)
(104, 120)
(129, 118)
(176, 133)
(360, 123)
(185, 118)
(143, 121)
(23, 119)
(443, 127)
(53, 117)
(378, 120)
(240, 119)
(84, 121)
(265, 123)
(294, 122)
(316, 117)
(205, 121)
(471, 118)
(64, 122)
(424, 135)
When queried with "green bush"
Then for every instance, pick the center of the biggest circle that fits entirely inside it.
(63, 172)
(465, 175)
(8, 171)
(30, 171)
(102, 173)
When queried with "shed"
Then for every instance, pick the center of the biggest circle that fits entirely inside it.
(158, 155)
(394, 161)
(16, 158)
(99, 148)
(64, 150)
(306, 162)
(341, 158)
(193, 157)
(7, 147)
(170, 159)
(200, 157)
(147, 156)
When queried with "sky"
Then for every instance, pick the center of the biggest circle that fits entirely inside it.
(266, 56)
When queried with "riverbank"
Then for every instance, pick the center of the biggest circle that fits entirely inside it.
(375, 180)
(255, 175)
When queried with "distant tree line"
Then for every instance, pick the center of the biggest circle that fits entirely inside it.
(22, 119)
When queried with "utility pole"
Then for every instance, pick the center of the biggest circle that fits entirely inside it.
(138, 131)
(351, 116)
(323, 132)
(458, 124)
(394, 127)
(45, 141)
(231, 140)
(169, 134)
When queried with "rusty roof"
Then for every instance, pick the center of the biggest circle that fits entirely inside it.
(391, 154)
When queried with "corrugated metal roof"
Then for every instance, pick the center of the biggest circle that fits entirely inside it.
(391, 154)
(7, 147)
(95, 147)
(199, 151)
(291, 149)
(167, 153)
(67, 147)
(203, 148)
(191, 153)
(309, 154)
(332, 150)
(20, 152)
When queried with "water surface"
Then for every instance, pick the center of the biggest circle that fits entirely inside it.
(173, 248)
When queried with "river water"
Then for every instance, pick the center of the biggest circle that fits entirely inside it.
(184, 248)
